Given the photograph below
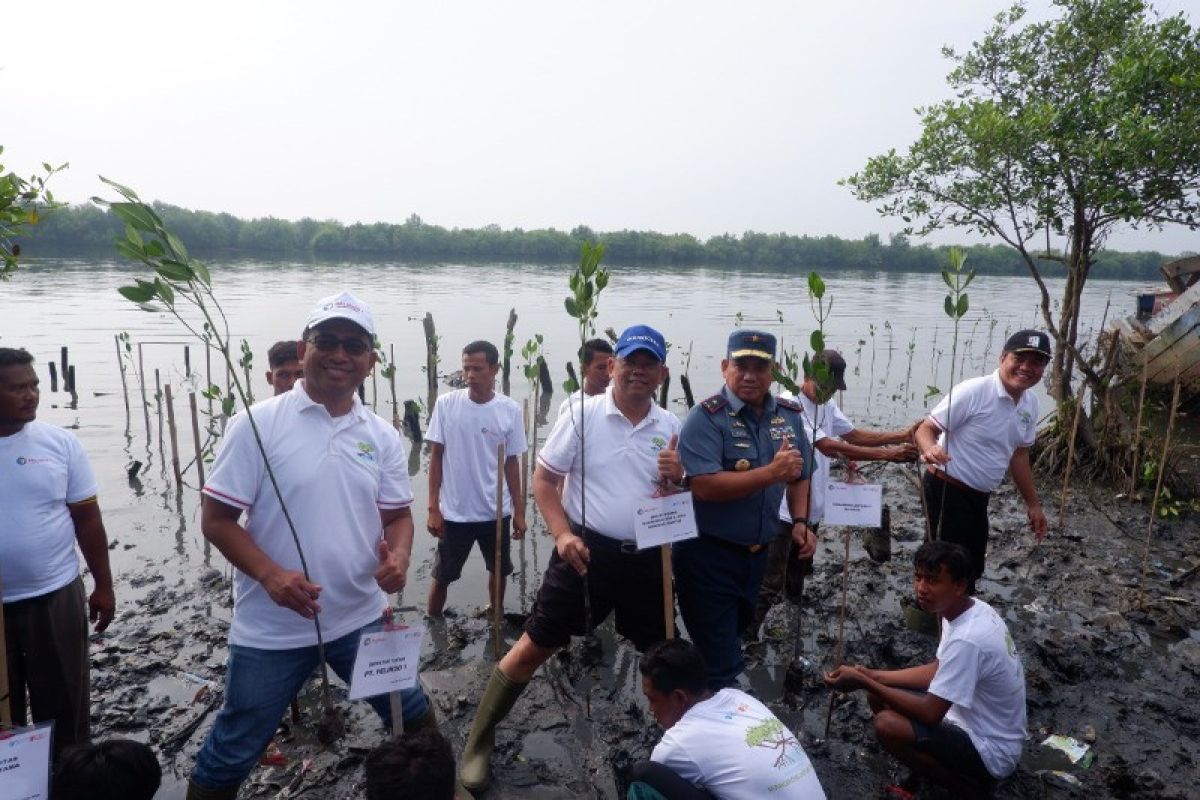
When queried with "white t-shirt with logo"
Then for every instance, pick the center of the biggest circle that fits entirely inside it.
(733, 746)
(470, 432)
(336, 474)
(621, 463)
(42, 468)
(829, 422)
(986, 428)
(980, 673)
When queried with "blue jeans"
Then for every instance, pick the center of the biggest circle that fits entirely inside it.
(259, 686)
(718, 587)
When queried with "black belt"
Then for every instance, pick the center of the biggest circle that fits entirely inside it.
(750, 549)
(594, 538)
(941, 475)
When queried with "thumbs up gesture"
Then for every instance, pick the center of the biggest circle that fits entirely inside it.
(788, 463)
(670, 468)
(392, 572)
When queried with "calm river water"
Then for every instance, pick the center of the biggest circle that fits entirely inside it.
(890, 327)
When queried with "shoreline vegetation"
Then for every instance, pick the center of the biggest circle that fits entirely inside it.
(85, 229)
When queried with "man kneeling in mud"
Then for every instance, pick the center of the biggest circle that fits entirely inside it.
(960, 719)
(722, 745)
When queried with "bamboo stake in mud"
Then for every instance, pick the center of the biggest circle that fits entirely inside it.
(1137, 430)
(53, 376)
(196, 438)
(497, 575)
(121, 364)
(396, 422)
(158, 412)
(174, 438)
(840, 652)
(1062, 498)
(668, 593)
(65, 363)
(525, 455)
(142, 386)
(1162, 468)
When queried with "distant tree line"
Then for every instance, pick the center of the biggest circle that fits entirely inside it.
(86, 228)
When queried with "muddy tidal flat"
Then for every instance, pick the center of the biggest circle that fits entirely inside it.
(1119, 676)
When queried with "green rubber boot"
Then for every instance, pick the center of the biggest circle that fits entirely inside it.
(198, 792)
(498, 700)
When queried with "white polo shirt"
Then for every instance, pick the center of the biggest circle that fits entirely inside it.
(621, 462)
(986, 427)
(470, 432)
(335, 473)
(830, 422)
(42, 468)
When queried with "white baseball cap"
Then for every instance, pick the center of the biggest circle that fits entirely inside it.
(342, 306)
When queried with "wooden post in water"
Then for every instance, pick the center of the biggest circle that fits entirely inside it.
(431, 359)
(392, 388)
(544, 378)
(54, 376)
(196, 438)
(158, 410)
(506, 366)
(65, 364)
(686, 384)
(208, 378)
(497, 562)
(525, 455)
(121, 365)
(187, 361)
(174, 439)
(142, 386)
(69, 380)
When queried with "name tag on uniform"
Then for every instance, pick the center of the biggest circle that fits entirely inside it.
(387, 661)
(663, 520)
(858, 504)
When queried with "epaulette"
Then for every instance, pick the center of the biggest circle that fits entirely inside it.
(715, 403)
(790, 405)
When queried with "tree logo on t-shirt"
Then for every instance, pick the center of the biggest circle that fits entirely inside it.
(771, 733)
(366, 451)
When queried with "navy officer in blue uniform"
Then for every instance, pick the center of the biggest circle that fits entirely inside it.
(742, 449)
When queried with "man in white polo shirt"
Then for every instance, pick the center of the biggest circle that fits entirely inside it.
(465, 432)
(983, 428)
(629, 445)
(342, 473)
(597, 353)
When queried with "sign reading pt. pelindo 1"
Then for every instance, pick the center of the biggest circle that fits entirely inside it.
(858, 504)
(25, 763)
(387, 661)
(663, 520)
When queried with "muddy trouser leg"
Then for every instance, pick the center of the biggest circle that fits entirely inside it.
(777, 568)
(259, 685)
(653, 781)
(718, 585)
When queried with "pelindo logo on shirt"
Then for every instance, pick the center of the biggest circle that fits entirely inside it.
(31, 460)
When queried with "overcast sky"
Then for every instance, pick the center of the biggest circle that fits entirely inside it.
(704, 117)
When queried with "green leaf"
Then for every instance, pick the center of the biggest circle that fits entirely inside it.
(174, 270)
(816, 341)
(947, 279)
(949, 306)
(963, 305)
(177, 246)
(816, 286)
(201, 273)
(142, 293)
(165, 292)
(134, 214)
(572, 307)
(129, 250)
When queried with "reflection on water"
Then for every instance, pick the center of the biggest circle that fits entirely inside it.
(890, 328)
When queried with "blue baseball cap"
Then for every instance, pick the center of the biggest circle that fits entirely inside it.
(641, 337)
(753, 344)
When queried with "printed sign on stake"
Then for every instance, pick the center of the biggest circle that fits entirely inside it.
(386, 661)
(25, 763)
(857, 504)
